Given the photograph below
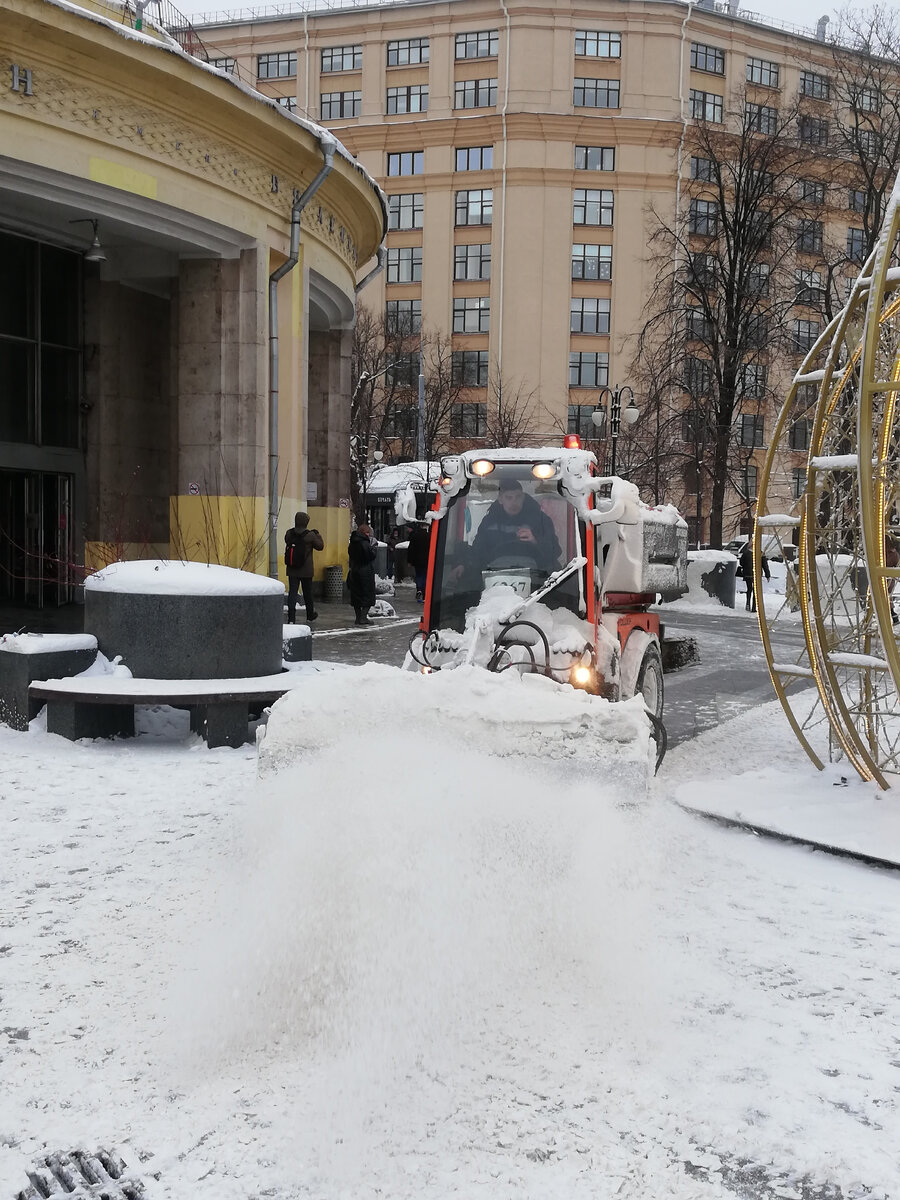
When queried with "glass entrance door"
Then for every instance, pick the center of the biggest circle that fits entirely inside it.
(36, 544)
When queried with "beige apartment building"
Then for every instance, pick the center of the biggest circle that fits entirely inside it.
(522, 146)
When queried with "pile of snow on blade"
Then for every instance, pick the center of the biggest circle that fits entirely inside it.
(501, 714)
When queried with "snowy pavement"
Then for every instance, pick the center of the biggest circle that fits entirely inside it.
(416, 971)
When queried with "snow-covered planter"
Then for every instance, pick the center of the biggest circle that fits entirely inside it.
(383, 587)
(711, 577)
(181, 620)
(381, 608)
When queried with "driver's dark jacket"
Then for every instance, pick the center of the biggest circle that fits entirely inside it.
(497, 537)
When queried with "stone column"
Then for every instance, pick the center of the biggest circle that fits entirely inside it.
(220, 435)
(329, 438)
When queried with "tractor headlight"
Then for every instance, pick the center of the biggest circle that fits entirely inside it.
(581, 675)
(543, 470)
(481, 466)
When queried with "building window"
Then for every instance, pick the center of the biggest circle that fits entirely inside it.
(282, 65)
(591, 44)
(408, 162)
(596, 93)
(475, 158)
(817, 87)
(706, 106)
(468, 420)
(482, 44)
(40, 345)
(335, 105)
(703, 218)
(227, 65)
(813, 131)
(810, 287)
(866, 99)
(754, 381)
(400, 422)
(469, 368)
(750, 429)
(589, 315)
(798, 482)
(473, 261)
(762, 72)
(812, 191)
(806, 396)
(591, 261)
(288, 102)
(756, 331)
(588, 369)
(703, 168)
(809, 237)
(475, 207)
(798, 436)
(341, 58)
(579, 420)
(595, 158)
(761, 118)
(702, 268)
(471, 314)
(805, 334)
(707, 58)
(750, 481)
(410, 99)
(758, 279)
(404, 264)
(406, 211)
(698, 376)
(698, 325)
(403, 317)
(404, 371)
(407, 52)
(592, 206)
(856, 245)
(856, 201)
(867, 142)
(475, 93)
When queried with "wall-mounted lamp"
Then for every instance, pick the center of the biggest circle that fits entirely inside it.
(95, 252)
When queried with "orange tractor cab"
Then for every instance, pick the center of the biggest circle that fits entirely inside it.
(538, 564)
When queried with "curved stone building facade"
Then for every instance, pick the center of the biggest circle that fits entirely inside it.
(146, 199)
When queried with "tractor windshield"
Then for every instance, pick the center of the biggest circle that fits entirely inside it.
(506, 529)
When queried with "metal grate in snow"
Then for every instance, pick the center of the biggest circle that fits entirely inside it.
(82, 1176)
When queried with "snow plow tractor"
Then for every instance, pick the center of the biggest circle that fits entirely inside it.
(540, 565)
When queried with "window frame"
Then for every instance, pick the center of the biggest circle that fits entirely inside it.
(702, 54)
(458, 422)
(462, 310)
(407, 93)
(467, 253)
(583, 89)
(420, 44)
(355, 53)
(481, 151)
(587, 200)
(477, 38)
(602, 158)
(586, 370)
(475, 90)
(277, 55)
(763, 72)
(461, 362)
(415, 206)
(342, 101)
(587, 37)
(814, 86)
(702, 103)
(582, 308)
(603, 258)
(397, 257)
(410, 306)
(484, 205)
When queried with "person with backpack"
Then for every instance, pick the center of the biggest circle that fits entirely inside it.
(299, 544)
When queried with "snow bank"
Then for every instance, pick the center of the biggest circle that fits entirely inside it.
(172, 577)
(40, 643)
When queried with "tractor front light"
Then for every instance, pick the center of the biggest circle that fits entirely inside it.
(543, 470)
(482, 466)
(581, 676)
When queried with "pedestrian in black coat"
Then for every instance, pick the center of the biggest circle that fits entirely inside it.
(299, 543)
(361, 576)
(746, 562)
(417, 555)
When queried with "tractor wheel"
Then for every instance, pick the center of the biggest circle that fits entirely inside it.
(650, 681)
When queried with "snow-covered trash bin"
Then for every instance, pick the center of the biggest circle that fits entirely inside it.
(25, 657)
(297, 643)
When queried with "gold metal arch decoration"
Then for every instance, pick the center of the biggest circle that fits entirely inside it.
(841, 583)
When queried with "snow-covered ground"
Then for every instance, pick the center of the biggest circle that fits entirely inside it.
(412, 969)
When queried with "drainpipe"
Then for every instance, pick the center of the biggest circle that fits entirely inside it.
(288, 265)
(377, 269)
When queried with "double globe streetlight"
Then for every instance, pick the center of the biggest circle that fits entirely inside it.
(611, 417)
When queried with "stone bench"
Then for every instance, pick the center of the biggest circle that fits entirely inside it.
(28, 656)
(103, 705)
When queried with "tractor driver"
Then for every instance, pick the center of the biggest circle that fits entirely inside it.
(516, 532)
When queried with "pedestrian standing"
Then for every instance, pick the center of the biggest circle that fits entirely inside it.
(299, 544)
(746, 561)
(361, 575)
(392, 540)
(417, 555)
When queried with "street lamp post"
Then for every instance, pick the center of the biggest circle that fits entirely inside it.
(611, 417)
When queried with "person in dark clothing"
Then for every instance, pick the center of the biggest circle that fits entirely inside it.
(299, 543)
(392, 539)
(746, 563)
(417, 555)
(516, 532)
(361, 576)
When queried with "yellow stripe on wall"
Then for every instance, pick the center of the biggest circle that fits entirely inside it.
(101, 170)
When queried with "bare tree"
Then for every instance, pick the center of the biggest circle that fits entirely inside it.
(510, 411)
(726, 287)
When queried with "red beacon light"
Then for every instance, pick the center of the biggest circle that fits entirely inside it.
(572, 442)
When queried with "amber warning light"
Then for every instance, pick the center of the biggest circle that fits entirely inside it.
(572, 441)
